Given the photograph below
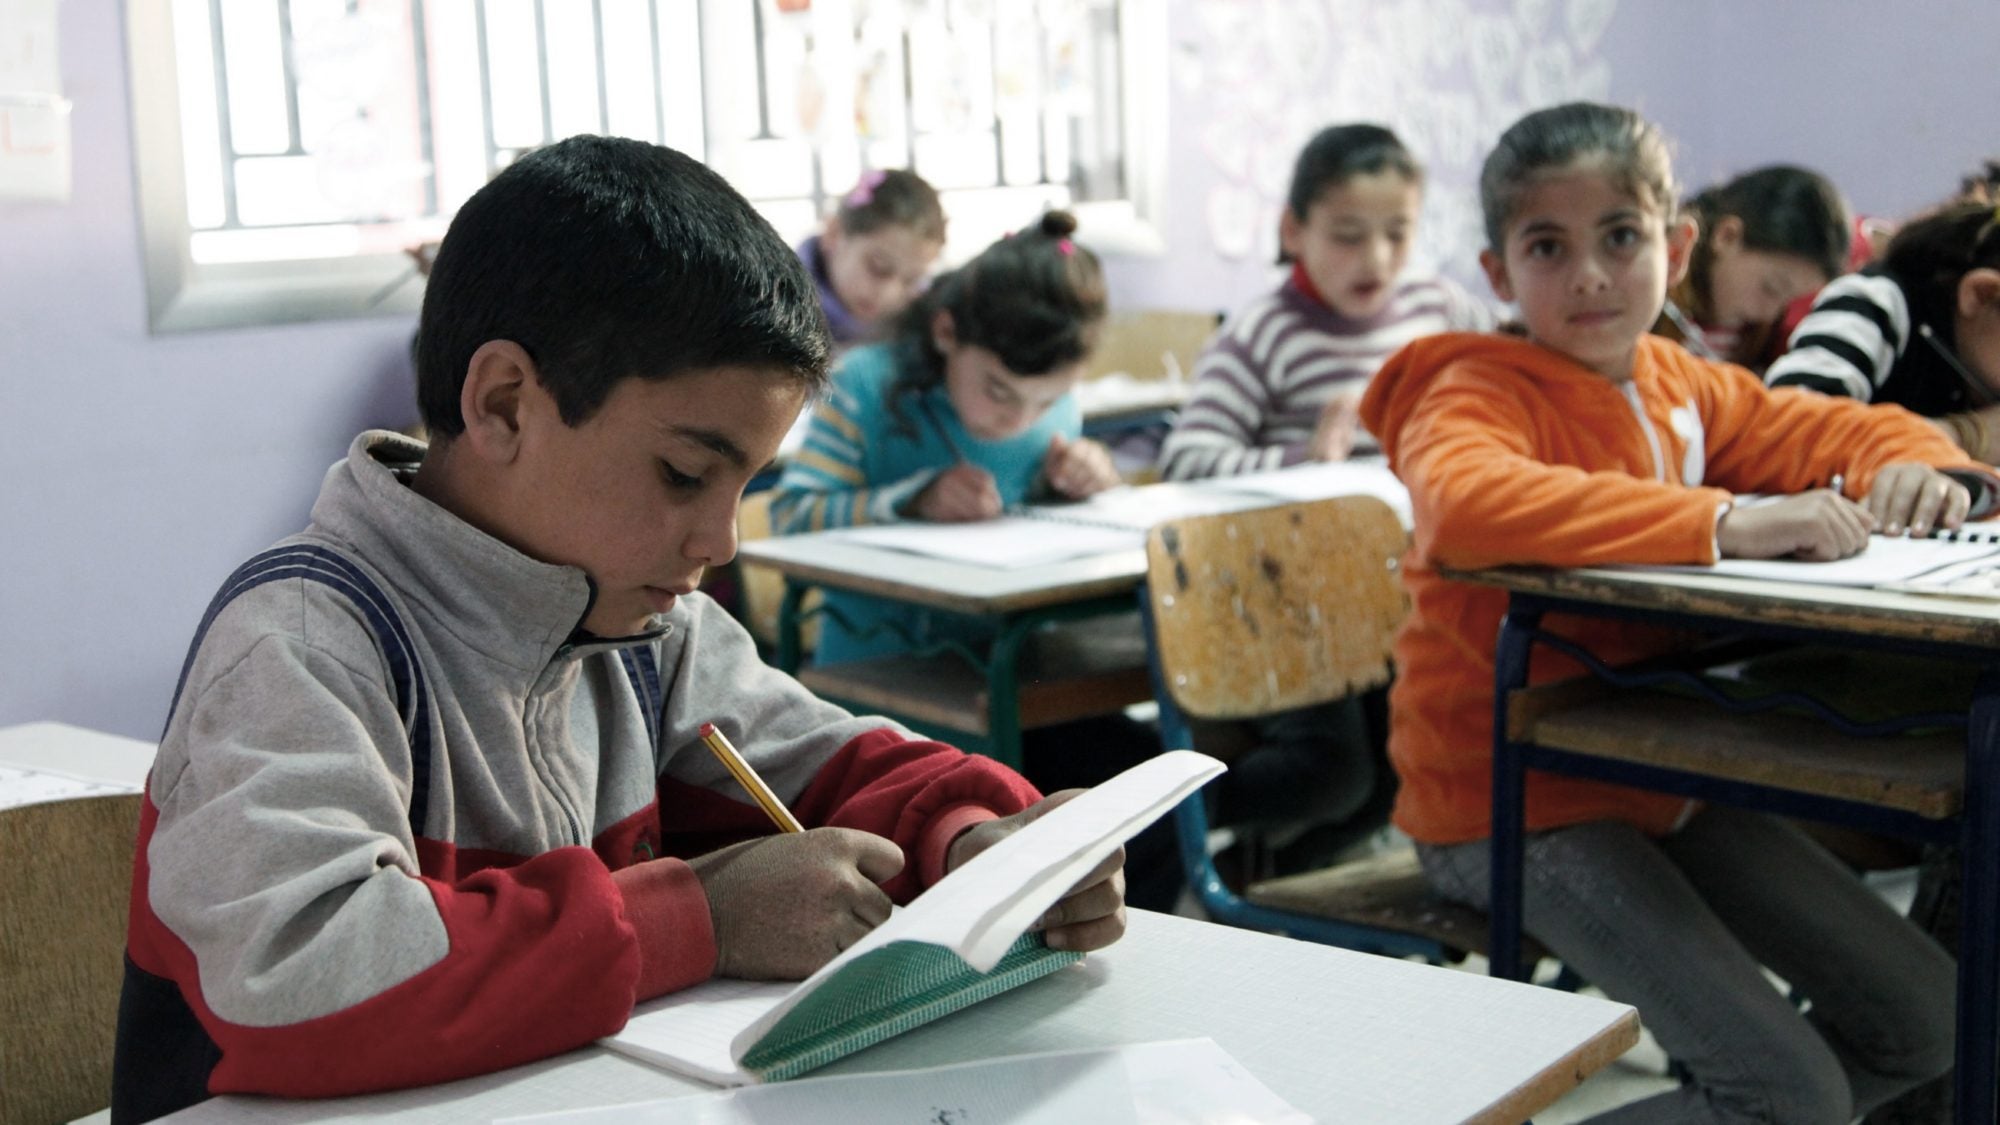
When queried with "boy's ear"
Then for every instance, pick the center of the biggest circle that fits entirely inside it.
(1727, 235)
(1681, 234)
(1496, 274)
(944, 331)
(1978, 291)
(496, 383)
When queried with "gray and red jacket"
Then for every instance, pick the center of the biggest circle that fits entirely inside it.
(396, 833)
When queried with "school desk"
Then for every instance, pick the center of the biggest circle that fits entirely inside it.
(987, 714)
(1927, 786)
(1344, 1036)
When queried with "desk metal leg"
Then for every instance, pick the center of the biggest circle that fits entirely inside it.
(1979, 911)
(1003, 692)
(1510, 671)
(788, 625)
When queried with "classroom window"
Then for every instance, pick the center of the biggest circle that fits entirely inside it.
(288, 150)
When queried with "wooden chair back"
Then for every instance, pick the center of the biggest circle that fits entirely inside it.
(1136, 340)
(1277, 609)
(65, 886)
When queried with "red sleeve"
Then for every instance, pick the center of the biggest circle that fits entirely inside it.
(542, 959)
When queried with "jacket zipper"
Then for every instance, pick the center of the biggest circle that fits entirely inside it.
(1631, 392)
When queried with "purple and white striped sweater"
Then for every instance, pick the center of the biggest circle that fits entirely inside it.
(1262, 382)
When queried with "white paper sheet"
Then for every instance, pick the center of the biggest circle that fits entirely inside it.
(1184, 1082)
(23, 786)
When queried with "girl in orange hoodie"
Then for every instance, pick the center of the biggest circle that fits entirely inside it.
(1591, 442)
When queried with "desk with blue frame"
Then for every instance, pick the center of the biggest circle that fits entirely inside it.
(1931, 775)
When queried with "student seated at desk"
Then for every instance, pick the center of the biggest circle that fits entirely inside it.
(431, 800)
(1279, 385)
(964, 411)
(1762, 240)
(1593, 441)
(1921, 329)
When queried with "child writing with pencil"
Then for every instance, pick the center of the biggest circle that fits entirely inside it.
(1280, 382)
(962, 412)
(870, 260)
(1920, 329)
(432, 799)
(1592, 441)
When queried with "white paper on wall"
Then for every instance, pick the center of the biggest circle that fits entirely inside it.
(34, 116)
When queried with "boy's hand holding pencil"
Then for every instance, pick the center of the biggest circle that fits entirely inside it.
(781, 906)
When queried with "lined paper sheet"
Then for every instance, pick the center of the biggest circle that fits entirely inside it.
(1886, 561)
(1186, 1082)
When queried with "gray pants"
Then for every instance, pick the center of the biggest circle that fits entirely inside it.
(1679, 926)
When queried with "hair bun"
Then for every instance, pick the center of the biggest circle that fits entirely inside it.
(1058, 224)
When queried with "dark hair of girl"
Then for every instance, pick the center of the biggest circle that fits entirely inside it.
(1929, 256)
(1627, 146)
(1036, 299)
(892, 198)
(1784, 210)
(1339, 153)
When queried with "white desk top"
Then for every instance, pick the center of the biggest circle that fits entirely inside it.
(56, 761)
(1347, 1037)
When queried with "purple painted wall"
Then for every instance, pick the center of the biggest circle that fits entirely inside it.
(139, 470)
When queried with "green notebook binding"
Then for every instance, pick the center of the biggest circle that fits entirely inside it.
(885, 993)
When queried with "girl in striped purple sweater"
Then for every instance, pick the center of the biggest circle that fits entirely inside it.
(1280, 383)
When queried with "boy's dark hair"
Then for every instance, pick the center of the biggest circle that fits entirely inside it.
(892, 198)
(1630, 148)
(1036, 299)
(607, 259)
(1928, 256)
(1784, 210)
(1339, 153)
(1981, 185)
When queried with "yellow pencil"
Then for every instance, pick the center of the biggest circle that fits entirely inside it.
(748, 779)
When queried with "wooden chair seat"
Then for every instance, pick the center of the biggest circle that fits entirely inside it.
(65, 888)
(1921, 773)
(1386, 891)
(1067, 673)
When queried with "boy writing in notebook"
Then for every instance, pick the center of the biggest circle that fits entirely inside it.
(416, 806)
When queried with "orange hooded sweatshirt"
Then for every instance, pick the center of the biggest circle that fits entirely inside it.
(1516, 454)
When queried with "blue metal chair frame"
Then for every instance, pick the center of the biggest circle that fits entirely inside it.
(1224, 905)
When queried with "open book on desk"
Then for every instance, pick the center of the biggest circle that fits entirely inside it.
(959, 942)
(1117, 519)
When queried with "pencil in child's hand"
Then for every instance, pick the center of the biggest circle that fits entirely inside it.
(739, 769)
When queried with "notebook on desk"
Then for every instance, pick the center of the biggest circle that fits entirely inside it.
(959, 942)
(1947, 563)
(1118, 519)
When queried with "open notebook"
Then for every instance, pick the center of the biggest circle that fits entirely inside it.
(1118, 519)
(957, 943)
(1965, 563)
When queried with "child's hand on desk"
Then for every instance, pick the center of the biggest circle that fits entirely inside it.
(1333, 437)
(784, 905)
(1821, 526)
(1078, 468)
(1916, 497)
(1092, 915)
(960, 494)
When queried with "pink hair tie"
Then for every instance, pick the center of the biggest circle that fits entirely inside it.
(1066, 247)
(864, 192)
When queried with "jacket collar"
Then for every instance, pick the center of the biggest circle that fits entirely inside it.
(510, 607)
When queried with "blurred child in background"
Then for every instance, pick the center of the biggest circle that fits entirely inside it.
(875, 252)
